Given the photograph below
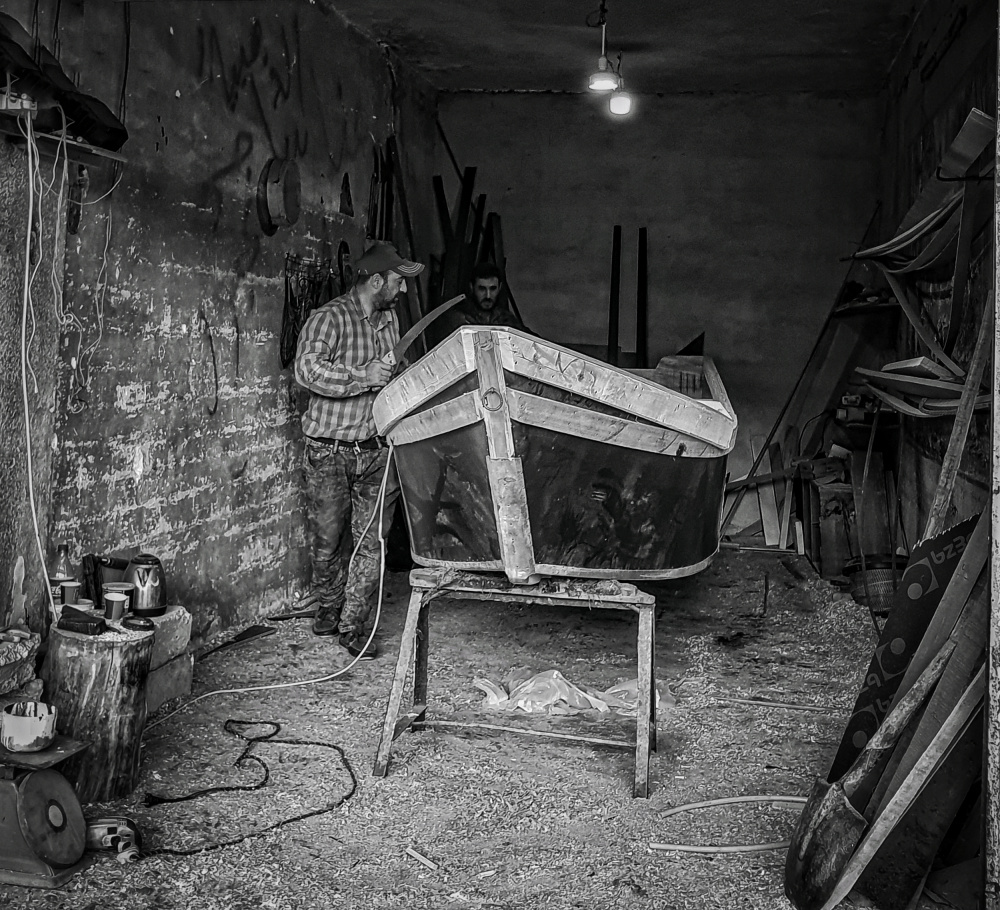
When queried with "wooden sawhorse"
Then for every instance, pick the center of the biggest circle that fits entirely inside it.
(427, 584)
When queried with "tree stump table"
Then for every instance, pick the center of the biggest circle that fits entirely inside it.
(606, 594)
(98, 685)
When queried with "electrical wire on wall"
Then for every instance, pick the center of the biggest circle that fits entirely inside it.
(32, 153)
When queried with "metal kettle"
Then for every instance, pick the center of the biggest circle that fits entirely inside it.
(145, 571)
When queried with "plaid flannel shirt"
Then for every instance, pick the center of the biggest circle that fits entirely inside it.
(334, 346)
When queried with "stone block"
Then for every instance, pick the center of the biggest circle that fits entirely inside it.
(17, 663)
(172, 635)
(171, 680)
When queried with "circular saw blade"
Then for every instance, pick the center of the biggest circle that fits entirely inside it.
(51, 819)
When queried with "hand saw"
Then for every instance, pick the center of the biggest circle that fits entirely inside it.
(392, 358)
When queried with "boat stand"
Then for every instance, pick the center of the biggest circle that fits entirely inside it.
(605, 594)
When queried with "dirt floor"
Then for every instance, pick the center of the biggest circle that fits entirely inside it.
(509, 821)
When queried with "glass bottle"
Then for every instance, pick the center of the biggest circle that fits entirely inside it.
(61, 571)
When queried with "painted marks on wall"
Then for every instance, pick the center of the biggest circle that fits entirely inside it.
(264, 72)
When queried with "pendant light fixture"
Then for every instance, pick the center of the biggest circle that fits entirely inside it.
(607, 77)
(621, 101)
(604, 79)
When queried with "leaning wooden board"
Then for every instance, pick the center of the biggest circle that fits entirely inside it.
(928, 577)
(916, 386)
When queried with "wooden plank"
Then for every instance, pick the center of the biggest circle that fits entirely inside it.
(784, 527)
(926, 765)
(897, 404)
(593, 425)
(510, 499)
(404, 663)
(919, 366)
(525, 731)
(613, 299)
(917, 386)
(833, 354)
(459, 412)
(645, 724)
(444, 216)
(936, 214)
(765, 495)
(895, 876)
(492, 397)
(404, 211)
(565, 369)
(510, 503)
(939, 407)
(641, 303)
(960, 428)
(970, 641)
(716, 388)
(960, 275)
(951, 605)
(936, 582)
(611, 594)
(924, 332)
(454, 358)
(991, 770)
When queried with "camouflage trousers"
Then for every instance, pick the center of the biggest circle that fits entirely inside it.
(342, 486)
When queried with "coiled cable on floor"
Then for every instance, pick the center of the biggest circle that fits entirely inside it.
(244, 758)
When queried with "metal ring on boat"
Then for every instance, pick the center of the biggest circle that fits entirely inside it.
(498, 399)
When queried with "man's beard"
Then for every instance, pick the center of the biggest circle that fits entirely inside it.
(383, 301)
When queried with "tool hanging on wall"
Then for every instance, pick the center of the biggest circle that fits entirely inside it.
(308, 283)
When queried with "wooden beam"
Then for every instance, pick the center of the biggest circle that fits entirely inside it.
(616, 270)
(960, 428)
(641, 304)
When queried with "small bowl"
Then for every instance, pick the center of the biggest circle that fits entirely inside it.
(27, 726)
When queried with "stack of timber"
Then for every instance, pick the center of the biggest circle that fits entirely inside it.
(471, 235)
(901, 807)
(520, 456)
(907, 805)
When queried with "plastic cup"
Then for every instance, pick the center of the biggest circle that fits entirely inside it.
(70, 591)
(121, 587)
(115, 604)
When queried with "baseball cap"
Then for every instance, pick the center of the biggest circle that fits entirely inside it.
(382, 257)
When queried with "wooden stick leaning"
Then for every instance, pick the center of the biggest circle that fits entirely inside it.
(960, 428)
(915, 781)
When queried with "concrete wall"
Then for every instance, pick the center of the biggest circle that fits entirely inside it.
(22, 574)
(749, 202)
(180, 435)
(946, 66)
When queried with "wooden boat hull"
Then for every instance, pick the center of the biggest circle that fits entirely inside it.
(504, 471)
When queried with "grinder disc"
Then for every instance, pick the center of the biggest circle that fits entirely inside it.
(51, 819)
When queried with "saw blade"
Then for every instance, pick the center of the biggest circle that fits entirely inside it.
(401, 346)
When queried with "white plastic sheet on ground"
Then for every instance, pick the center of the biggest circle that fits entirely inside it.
(549, 692)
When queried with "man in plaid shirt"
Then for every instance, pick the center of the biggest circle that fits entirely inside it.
(339, 360)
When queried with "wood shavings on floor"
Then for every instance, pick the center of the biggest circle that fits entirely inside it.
(509, 821)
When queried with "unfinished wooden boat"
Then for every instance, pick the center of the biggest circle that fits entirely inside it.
(517, 455)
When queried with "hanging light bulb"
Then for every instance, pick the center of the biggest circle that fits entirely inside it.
(621, 101)
(604, 80)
